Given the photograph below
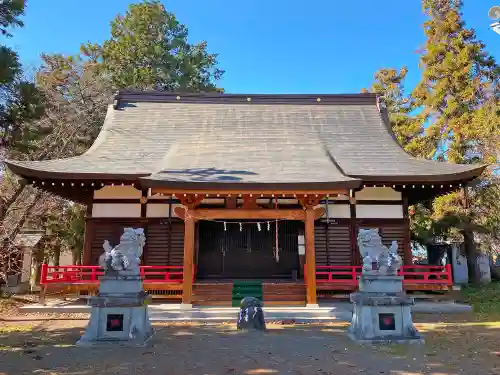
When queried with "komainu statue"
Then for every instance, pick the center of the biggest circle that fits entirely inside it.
(377, 258)
(126, 256)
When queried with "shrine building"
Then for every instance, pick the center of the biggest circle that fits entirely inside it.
(256, 193)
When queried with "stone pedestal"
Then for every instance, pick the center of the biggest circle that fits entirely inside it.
(382, 312)
(119, 313)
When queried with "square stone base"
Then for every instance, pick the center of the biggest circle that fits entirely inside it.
(117, 325)
(388, 340)
(382, 321)
(382, 312)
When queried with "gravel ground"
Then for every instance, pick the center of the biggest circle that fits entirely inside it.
(39, 344)
(47, 347)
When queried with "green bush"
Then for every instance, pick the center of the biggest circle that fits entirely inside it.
(485, 299)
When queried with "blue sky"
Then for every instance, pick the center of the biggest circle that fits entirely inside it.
(267, 46)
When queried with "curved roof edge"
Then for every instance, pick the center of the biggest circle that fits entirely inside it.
(466, 175)
(25, 171)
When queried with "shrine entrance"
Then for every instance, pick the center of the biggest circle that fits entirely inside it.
(247, 250)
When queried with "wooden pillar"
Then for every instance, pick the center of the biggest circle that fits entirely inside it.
(187, 284)
(87, 242)
(310, 258)
(408, 256)
(144, 213)
(88, 232)
(355, 256)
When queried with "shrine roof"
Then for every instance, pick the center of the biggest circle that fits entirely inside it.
(201, 140)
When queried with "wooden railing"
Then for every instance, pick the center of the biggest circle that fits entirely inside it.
(414, 274)
(90, 274)
(417, 274)
(342, 276)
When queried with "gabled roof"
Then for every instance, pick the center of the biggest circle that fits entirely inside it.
(202, 140)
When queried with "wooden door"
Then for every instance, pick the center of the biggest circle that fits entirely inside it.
(247, 252)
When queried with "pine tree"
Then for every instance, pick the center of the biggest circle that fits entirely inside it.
(458, 77)
(149, 50)
(458, 90)
(389, 83)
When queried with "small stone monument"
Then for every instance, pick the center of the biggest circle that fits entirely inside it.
(382, 311)
(251, 316)
(119, 312)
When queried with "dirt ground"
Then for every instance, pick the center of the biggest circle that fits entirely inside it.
(455, 344)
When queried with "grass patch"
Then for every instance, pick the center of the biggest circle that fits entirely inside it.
(11, 328)
(484, 299)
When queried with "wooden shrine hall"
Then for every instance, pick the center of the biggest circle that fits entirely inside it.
(260, 194)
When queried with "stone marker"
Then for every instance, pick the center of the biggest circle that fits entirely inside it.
(382, 311)
(251, 316)
(119, 312)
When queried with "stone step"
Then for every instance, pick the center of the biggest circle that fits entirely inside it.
(328, 311)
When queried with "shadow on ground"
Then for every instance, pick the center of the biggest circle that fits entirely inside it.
(451, 347)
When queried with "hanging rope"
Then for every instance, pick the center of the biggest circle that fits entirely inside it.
(233, 222)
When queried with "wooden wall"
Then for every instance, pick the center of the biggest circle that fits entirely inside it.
(333, 245)
(164, 239)
(380, 207)
(336, 243)
(165, 243)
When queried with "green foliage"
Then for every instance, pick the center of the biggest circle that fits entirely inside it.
(390, 84)
(148, 49)
(458, 96)
(457, 76)
(485, 299)
(20, 101)
(10, 11)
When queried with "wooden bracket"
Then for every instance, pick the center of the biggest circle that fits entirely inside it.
(191, 200)
(249, 202)
(307, 201)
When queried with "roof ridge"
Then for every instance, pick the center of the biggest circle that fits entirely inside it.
(223, 98)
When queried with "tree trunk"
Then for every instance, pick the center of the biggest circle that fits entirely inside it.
(9, 202)
(74, 258)
(472, 254)
(57, 256)
(39, 256)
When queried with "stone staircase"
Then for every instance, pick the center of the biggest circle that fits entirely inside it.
(212, 294)
(284, 294)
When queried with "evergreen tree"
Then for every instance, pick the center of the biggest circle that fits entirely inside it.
(10, 13)
(458, 78)
(458, 97)
(389, 83)
(20, 101)
(148, 50)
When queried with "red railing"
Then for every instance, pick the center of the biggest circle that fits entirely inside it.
(90, 274)
(417, 274)
(414, 274)
(345, 275)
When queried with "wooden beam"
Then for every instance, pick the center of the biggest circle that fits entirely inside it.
(187, 284)
(310, 257)
(240, 193)
(240, 213)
